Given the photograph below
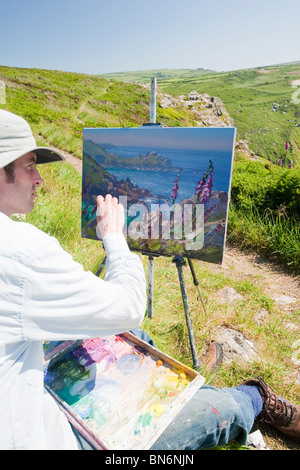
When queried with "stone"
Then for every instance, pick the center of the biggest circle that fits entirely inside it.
(261, 316)
(166, 102)
(285, 300)
(194, 95)
(235, 346)
(229, 295)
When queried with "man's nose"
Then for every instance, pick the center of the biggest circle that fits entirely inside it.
(38, 180)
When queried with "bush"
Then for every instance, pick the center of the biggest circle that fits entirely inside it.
(265, 211)
(284, 195)
(266, 187)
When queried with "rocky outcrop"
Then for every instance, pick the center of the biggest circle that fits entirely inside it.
(209, 111)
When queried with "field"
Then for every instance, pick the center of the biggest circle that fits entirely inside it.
(263, 215)
(265, 106)
(263, 102)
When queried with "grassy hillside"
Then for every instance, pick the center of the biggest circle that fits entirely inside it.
(59, 104)
(143, 76)
(260, 100)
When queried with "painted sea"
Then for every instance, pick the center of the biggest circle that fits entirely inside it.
(161, 182)
(156, 168)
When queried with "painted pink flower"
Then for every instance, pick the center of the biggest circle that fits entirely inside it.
(200, 186)
(85, 189)
(175, 188)
(203, 189)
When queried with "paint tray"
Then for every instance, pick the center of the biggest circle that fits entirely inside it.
(119, 392)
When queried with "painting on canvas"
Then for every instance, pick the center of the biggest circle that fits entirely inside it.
(174, 184)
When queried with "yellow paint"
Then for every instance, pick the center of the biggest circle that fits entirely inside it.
(157, 408)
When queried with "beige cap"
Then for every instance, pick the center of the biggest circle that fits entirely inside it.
(16, 139)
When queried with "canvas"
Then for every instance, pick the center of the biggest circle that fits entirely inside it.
(174, 184)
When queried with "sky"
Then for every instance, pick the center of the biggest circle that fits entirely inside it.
(97, 36)
(204, 138)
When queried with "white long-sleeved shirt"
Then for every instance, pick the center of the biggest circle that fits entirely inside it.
(46, 296)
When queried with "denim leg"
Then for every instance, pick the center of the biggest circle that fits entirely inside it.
(212, 417)
(141, 334)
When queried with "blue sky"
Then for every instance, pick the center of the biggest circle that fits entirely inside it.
(204, 139)
(98, 36)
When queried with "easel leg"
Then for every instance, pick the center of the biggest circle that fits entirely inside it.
(150, 286)
(196, 283)
(179, 263)
(101, 267)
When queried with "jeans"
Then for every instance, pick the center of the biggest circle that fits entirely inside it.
(212, 417)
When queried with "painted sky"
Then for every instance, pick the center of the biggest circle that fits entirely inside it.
(97, 36)
(206, 139)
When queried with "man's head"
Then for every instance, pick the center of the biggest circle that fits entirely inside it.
(19, 156)
(10, 172)
(18, 183)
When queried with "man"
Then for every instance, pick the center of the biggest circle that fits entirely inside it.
(45, 295)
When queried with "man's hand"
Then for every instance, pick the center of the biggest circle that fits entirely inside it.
(110, 216)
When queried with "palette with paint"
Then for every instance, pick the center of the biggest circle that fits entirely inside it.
(119, 391)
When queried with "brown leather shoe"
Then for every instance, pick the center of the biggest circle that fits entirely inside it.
(277, 411)
(213, 357)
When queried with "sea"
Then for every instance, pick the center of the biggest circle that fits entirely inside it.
(191, 165)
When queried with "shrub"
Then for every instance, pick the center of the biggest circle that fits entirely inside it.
(266, 186)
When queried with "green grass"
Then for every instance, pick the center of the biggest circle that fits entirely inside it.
(144, 76)
(58, 105)
(248, 96)
(270, 235)
(265, 211)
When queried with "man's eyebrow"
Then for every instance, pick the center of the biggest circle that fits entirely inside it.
(31, 159)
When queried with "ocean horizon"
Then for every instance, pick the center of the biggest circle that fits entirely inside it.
(190, 165)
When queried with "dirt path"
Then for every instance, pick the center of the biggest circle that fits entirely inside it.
(279, 285)
(74, 161)
(80, 110)
(297, 147)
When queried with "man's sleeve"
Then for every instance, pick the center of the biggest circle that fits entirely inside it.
(62, 301)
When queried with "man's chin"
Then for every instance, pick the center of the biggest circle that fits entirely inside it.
(28, 209)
